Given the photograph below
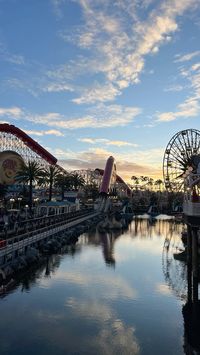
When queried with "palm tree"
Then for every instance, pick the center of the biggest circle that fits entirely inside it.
(159, 183)
(77, 181)
(143, 179)
(64, 182)
(136, 180)
(91, 190)
(30, 174)
(3, 192)
(150, 183)
(50, 175)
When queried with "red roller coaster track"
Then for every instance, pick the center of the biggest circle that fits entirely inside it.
(29, 142)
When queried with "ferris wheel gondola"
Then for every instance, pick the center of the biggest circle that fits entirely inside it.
(180, 154)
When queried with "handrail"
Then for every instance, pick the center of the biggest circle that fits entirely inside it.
(45, 219)
(21, 238)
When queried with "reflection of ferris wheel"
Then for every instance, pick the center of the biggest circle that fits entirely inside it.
(179, 154)
(174, 270)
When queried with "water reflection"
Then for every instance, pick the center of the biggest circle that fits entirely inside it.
(107, 241)
(191, 316)
(76, 303)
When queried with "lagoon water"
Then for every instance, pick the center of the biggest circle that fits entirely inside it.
(110, 293)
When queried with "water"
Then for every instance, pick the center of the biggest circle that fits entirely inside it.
(108, 294)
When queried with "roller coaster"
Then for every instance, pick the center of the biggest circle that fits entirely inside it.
(15, 141)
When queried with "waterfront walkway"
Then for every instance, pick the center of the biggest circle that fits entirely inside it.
(11, 247)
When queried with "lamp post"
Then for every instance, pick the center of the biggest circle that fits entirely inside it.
(12, 200)
(19, 201)
(36, 204)
(26, 208)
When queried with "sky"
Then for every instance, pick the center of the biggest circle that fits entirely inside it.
(92, 78)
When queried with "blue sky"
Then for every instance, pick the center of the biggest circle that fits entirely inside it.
(93, 78)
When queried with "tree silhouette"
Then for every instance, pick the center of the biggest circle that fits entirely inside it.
(30, 174)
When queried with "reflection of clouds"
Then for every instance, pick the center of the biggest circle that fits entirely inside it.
(108, 286)
(113, 337)
(163, 289)
(92, 309)
(117, 340)
(128, 248)
(51, 317)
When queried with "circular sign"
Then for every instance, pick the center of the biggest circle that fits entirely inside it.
(10, 163)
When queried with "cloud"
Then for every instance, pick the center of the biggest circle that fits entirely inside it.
(128, 164)
(113, 44)
(118, 42)
(96, 117)
(195, 66)
(117, 143)
(174, 88)
(57, 7)
(186, 57)
(57, 87)
(62, 154)
(3, 122)
(53, 132)
(98, 93)
(191, 106)
(12, 112)
(10, 57)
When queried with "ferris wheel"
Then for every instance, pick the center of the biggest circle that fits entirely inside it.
(180, 154)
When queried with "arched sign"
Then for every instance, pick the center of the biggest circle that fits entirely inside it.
(10, 163)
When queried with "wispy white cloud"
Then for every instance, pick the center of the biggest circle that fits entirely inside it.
(187, 57)
(100, 93)
(174, 88)
(196, 66)
(113, 44)
(96, 117)
(118, 42)
(12, 112)
(57, 7)
(57, 87)
(190, 107)
(52, 132)
(7, 56)
(105, 141)
(2, 122)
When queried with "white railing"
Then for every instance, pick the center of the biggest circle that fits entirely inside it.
(30, 238)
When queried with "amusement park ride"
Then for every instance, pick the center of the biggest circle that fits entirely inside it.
(14, 139)
(17, 147)
(181, 171)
